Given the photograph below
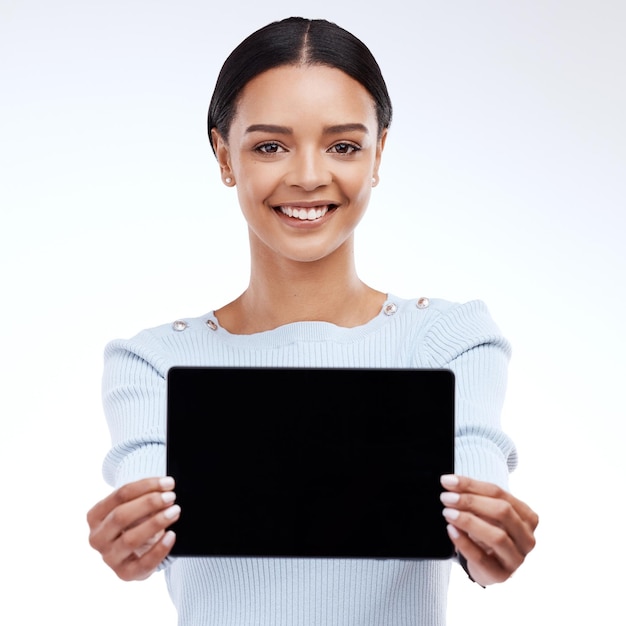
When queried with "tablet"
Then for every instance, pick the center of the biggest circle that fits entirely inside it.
(313, 462)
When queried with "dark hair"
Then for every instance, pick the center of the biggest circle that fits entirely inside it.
(295, 41)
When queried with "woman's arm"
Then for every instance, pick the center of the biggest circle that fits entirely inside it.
(129, 527)
(490, 528)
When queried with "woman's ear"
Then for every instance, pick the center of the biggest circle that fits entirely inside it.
(222, 153)
(380, 146)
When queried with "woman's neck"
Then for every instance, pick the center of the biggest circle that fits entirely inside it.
(283, 292)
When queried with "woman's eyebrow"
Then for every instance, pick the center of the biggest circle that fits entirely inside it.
(269, 128)
(346, 128)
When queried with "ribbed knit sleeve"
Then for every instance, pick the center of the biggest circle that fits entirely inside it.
(134, 395)
(466, 340)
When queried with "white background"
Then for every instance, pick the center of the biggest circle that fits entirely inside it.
(503, 179)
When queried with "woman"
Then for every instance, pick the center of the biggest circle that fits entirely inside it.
(298, 123)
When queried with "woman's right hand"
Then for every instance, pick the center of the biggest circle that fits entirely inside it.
(129, 527)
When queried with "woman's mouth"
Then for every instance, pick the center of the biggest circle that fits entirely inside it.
(306, 213)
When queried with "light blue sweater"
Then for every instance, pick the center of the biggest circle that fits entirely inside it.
(293, 591)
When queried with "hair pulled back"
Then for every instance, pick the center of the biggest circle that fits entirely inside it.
(296, 41)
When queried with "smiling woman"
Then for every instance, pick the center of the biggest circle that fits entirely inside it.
(298, 124)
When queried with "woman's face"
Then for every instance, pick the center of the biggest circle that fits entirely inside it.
(303, 150)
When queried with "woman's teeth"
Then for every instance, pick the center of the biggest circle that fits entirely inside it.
(311, 214)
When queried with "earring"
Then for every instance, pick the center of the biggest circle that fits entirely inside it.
(374, 181)
(228, 180)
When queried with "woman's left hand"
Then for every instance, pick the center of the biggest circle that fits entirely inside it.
(491, 528)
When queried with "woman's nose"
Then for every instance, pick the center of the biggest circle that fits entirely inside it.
(309, 170)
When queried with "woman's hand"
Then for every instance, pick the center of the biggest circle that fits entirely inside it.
(128, 527)
(491, 528)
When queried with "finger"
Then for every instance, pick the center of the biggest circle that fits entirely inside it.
(456, 483)
(127, 516)
(496, 511)
(141, 550)
(140, 567)
(139, 540)
(492, 541)
(464, 484)
(126, 493)
(484, 567)
(141, 537)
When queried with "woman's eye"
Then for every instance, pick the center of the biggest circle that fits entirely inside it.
(345, 148)
(269, 148)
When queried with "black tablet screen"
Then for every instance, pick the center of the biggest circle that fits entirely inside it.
(310, 462)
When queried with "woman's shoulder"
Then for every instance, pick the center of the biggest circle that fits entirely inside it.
(440, 309)
(468, 312)
(167, 330)
(446, 328)
(157, 344)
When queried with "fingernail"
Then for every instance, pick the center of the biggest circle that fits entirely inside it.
(449, 480)
(448, 497)
(172, 511)
(168, 497)
(167, 482)
(450, 514)
(168, 539)
(452, 531)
